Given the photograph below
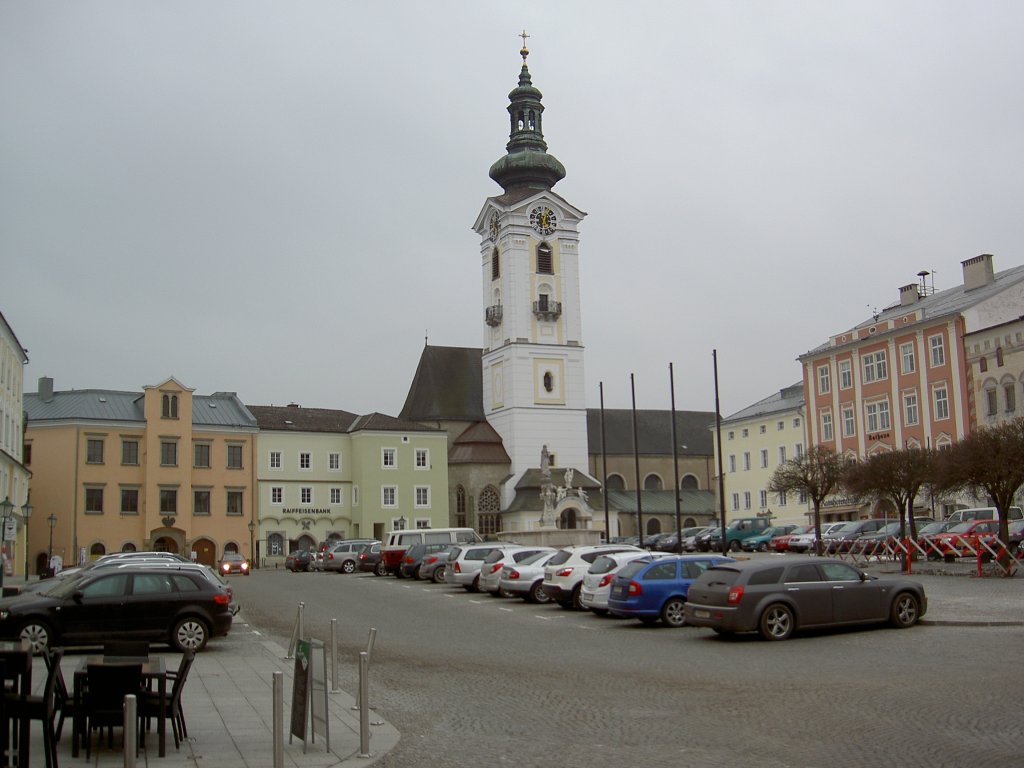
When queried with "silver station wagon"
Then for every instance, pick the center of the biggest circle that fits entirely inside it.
(776, 597)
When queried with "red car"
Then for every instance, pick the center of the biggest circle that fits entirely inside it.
(781, 543)
(962, 540)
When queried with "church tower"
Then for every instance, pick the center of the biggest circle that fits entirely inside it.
(532, 376)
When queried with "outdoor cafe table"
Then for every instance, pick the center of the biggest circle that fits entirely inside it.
(153, 668)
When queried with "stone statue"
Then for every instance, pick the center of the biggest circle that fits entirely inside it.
(545, 463)
(568, 477)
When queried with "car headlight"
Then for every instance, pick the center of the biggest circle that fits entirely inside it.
(4, 615)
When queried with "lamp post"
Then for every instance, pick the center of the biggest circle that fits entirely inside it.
(26, 513)
(52, 520)
(401, 523)
(252, 544)
(6, 508)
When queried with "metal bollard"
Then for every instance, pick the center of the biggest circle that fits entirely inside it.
(131, 733)
(364, 706)
(369, 652)
(335, 688)
(278, 724)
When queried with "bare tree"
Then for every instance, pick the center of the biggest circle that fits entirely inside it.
(894, 475)
(988, 461)
(817, 473)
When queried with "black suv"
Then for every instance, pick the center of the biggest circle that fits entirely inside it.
(179, 605)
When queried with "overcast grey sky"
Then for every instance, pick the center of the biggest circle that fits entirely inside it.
(275, 198)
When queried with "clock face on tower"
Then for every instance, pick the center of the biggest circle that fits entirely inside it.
(494, 226)
(543, 220)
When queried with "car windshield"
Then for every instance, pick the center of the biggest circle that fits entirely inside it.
(603, 564)
(962, 527)
(890, 528)
(560, 557)
(494, 557)
(66, 588)
(534, 558)
(630, 569)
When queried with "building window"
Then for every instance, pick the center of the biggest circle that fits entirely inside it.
(169, 407)
(94, 501)
(798, 450)
(826, 426)
(982, 364)
(999, 357)
(782, 454)
(335, 495)
(387, 458)
(764, 458)
(991, 403)
(495, 265)
(845, 374)
(460, 507)
(169, 453)
(93, 451)
(940, 402)
(487, 524)
(782, 499)
(910, 411)
(422, 523)
(275, 544)
(746, 461)
(764, 428)
(824, 380)
(422, 495)
(732, 462)
(388, 496)
(201, 455)
(129, 501)
(201, 503)
(234, 503)
(275, 459)
(735, 502)
(745, 432)
(168, 501)
(780, 426)
(1010, 394)
(305, 461)
(544, 259)
(334, 462)
(731, 434)
(422, 458)
(908, 363)
(877, 415)
(355, 495)
(277, 495)
(796, 423)
(234, 456)
(130, 453)
(306, 495)
(746, 499)
(764, 499)
(875, 368)
(849, 423)
(937, 346)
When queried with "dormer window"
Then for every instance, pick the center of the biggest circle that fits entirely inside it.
(169, 407)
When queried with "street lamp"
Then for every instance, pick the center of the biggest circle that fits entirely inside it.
(252, 545)
(401, 523)
(26, 513)
(6, 508)
(52, 520)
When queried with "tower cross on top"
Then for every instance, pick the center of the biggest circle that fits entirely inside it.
(525, 51)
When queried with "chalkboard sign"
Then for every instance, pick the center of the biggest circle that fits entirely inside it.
(300, 690)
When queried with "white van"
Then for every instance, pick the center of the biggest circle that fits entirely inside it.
(983, 513)
(398, 541)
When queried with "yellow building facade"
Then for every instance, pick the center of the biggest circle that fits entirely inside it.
(161, 469)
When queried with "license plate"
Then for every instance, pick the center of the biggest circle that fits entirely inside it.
(586, 598)
(702, 614)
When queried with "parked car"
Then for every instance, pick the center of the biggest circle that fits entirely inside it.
(563, 575)
(841, 539)
(413, 557)
(233, 562)
(649, 589)
(398, 541)
(759, 543)
(805, 541)
(107, 561)
(1016, 535)
(432, 567)
(463, 565)
(983, 513)
(343, 556)
(779, 596)
(175, 604)
(525, 579)
(781, 543)
(690, 540)
(371, 561)
(298, 560)
(736, 532)
(597, 583)
(962, 540)
(490, 570)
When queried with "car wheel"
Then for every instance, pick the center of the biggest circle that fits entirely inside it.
(734, 546)
(189, 634)
(776, 622)
(577, 598)
(348, 566)
(762, 547)
(905, 611)
(673, 613)
(416, 572)
(475, 586)
(38, 635)
(380, 569)
(537, 594)
(438, 576)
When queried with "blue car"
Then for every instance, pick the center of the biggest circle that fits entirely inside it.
(655, 588)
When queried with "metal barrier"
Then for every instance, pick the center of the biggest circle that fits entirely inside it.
(986, 550)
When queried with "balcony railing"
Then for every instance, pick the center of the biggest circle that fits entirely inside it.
(547, 310)
(492, 315)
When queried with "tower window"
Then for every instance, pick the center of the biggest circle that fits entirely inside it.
(544, 259)
(495, 265)
(549, 381)
(169, 407)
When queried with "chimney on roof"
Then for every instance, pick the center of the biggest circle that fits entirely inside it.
(978, 272)
(45, 389)
(909, 295)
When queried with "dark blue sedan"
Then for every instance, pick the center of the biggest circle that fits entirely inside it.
(649, 589)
